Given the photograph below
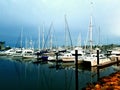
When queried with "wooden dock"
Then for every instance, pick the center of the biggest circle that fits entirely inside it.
(100, 66)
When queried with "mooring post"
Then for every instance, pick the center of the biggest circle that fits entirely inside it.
(97, 57)
(98, 73)
(38, 56)
(117, 61)
(56, 56)
(76, 69)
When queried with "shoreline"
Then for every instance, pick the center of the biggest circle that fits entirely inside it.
(111, 82)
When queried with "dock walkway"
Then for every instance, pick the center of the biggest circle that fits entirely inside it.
(117, 61)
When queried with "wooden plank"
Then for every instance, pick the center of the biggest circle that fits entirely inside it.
(107, 64)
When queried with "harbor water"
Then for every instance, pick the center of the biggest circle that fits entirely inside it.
(17, 75)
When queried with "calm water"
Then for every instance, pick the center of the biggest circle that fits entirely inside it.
(15, 75)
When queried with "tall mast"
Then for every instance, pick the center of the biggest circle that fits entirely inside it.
(26, 43)
(67, 33)
(99, 41)
(91, 28)
(39, 38)
(51, 40)
(79, 40)
(31, 44)
(43, 41)
(90, 34)
(66, 39)
(21, 38)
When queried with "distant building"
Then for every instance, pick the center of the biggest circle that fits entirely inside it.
(2, 45)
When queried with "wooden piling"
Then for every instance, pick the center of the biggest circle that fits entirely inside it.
(97, 57)
(38, 54)
(117, 61)
(98, 73)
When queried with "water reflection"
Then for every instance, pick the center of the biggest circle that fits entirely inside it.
(17, 75)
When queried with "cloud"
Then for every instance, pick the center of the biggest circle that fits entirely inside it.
(115, 25)
(78, 12)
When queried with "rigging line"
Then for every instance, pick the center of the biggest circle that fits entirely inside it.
(48, 34)
(39, 39)
(54, 36)
(43, 27)
(67, 27)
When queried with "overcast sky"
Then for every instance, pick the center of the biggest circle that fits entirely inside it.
(31, 14)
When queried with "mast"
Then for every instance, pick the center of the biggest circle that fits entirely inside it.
(51, 36)
(66, 39)
(26, 43)
(90, 34)
(39, 38)
(43, 41)
(79, 40)
(66, 35)
(51, 40)
(48, 36)
(31, 44)
(91, 28)
(21, 38)
(99, 41)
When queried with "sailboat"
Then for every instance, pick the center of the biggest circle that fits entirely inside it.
(69, 55)
(91, 57)
(28, 54)
(24, 53)
(19, 51)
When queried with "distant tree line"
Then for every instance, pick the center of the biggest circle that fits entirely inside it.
(104, 48)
